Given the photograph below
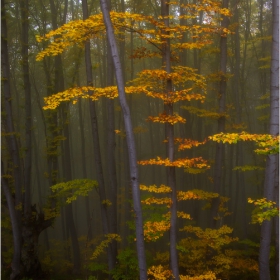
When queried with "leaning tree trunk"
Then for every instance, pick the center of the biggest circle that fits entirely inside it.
(130, 142)
(272, 163)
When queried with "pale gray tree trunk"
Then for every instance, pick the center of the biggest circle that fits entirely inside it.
(111, 159)
(130, 142)
(272, 162)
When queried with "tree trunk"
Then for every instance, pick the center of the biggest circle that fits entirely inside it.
(67, 168)
(130, 142)
(218, 167)
(171, 179)
(111, 159)
(15, 215)
(16, 269)
(96, 146)
(272, 163)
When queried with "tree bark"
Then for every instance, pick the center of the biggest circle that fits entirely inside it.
(272, 162)
(218, 171)
(130, 142)
(12, 144)
(111, 159)
(96, 147)
(171, 178)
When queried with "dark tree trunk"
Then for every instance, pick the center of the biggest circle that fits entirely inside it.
(67, 168)
(96, 146)
(171, 178)
(15, 215)
(130, 142)
(219, 156)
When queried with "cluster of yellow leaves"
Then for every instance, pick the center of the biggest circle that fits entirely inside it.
(175, 96)
(78, 31)
(183, 215)
(159, 272)
(180, 76)
(72, 94)
(208, 6)
(164, 118)
(264, 210)
(198, 162)
(207, 276)
(181, 195)
(154, 200)
(223, 210)
(74, 188)
(187, 143)
(215, 237)
(153, 230)
(155, 189)
(104, 244)
(269, 143)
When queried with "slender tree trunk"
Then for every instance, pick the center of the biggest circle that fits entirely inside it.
(84, 168)
(130, 142)
(272, 162)
(218, 167)
(240, 183)
(28, 111)
(29, 251)
(16, 269)
(171, 177)
(68, 208)
(96, 144)
(111, 159)
(15, 215)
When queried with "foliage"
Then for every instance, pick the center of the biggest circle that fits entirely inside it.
(269, 144)
(104, 244)
(159, 273)
(207, 276)
(264, 210)
(158, 221)
(74, 188)
(198, 162)
(127, 266)
(205, 251)
(248, 168)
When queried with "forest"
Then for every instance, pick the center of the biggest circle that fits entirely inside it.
(140, 139)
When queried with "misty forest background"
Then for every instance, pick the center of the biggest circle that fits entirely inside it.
(83, 142)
